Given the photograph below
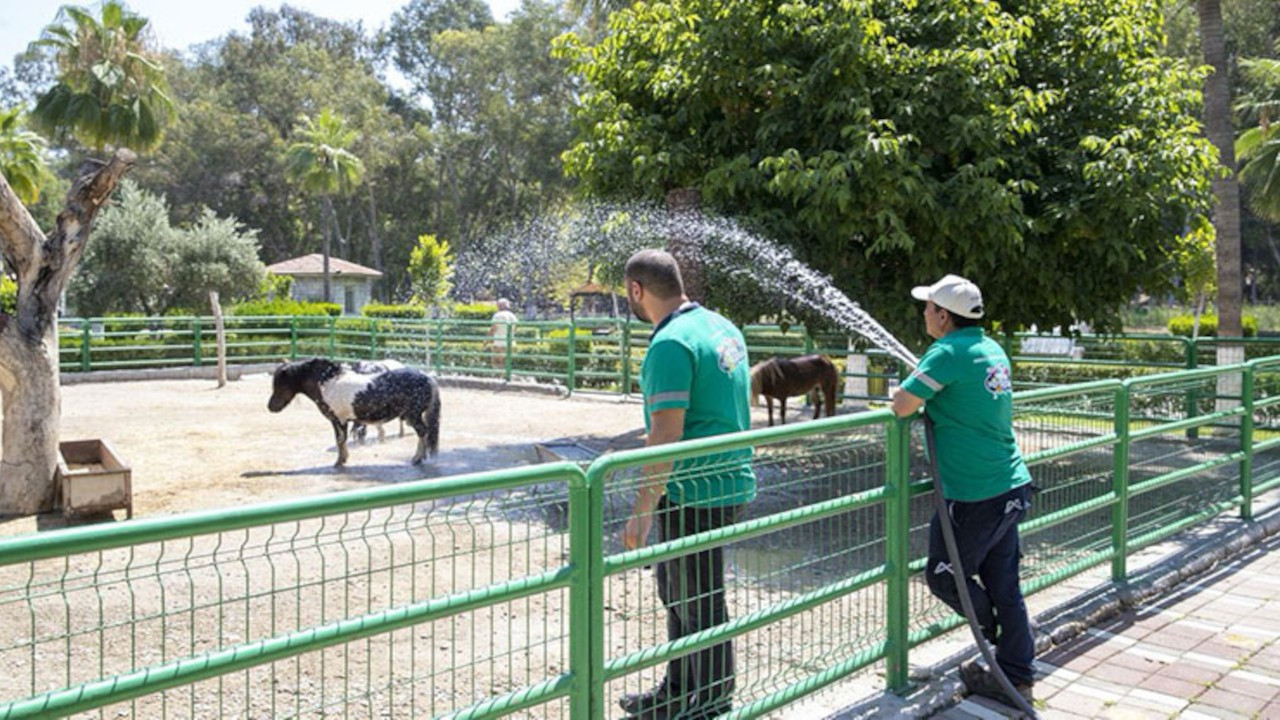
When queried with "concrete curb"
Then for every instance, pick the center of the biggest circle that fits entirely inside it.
(940, 686)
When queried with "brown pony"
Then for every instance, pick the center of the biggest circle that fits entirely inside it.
(782, 378)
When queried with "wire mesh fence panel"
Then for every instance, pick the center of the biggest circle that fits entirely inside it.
(320, 586)
(791, 563)
(1180, 455)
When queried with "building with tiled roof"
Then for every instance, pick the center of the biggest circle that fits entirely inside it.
(351, 285)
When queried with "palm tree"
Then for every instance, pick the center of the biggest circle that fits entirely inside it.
(320, 162)
(110, 89)
(1226, 216)
(21, 157)
(1259, 147)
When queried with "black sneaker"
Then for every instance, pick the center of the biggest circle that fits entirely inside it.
(649, 703)
(981, 682)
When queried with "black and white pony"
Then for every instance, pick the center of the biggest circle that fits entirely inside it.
(344, 396)
(373, 367)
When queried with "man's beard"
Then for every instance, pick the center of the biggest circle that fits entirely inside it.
(638, 311)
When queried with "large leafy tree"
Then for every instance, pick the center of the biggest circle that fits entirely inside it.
(320, 161)
(1049, 151)
(1259, 146)
(110, 88)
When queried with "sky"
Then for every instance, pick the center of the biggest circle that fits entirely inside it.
(181, 23)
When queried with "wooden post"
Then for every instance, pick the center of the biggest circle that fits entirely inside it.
(222, 337)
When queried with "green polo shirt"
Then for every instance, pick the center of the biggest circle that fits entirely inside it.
(697, 360)
(964, 377)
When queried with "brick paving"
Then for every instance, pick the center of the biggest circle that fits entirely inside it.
(1209, 649)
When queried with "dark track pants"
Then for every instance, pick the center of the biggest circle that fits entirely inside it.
(692, 589)
(987, 538)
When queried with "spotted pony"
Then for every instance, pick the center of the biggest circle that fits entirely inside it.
(344, 396)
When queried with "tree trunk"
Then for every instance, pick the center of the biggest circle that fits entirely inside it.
(328, 223)
(1226, 217)
(686, 202)
(221, 333)
(29, 341)
(376, 241)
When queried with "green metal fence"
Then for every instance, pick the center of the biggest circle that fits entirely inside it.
(508, 592)
(605, 354)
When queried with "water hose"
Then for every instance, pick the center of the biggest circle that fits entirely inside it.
(962, 585)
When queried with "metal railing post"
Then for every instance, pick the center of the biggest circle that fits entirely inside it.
(586, 608)
(373, 338)
(439, 360)
(1120, 471)
(197, 342)
(86, 340)
(333, 340)
(1246, 444)
(626, 357)
(507, 360)
(293, 337)
(1193, 397)
(573, 346)
(897, 509)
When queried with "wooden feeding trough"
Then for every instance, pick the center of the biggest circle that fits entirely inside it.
(92, 478)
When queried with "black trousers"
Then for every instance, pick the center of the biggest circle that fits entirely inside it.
(692, 589)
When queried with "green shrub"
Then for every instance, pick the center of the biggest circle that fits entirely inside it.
(284, 306)
(475, 311)
(409, 312)
(1182, 325)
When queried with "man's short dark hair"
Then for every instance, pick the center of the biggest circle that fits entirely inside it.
(657, 272)
(960, 321)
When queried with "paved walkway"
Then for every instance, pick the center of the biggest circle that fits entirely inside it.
(1209, 649)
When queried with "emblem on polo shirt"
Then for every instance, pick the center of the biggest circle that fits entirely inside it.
(732, 354)
(999, 380)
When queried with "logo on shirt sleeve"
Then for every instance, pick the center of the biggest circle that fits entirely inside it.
(999, 380)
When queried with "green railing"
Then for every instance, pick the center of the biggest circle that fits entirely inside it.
(605, 354)
(482, 595)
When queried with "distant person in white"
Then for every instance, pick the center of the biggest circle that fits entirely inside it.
(501, 320)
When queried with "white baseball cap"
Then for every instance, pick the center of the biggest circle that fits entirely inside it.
(954, 293)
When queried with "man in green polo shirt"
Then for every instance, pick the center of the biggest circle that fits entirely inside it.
(696, 383)
(965, 379)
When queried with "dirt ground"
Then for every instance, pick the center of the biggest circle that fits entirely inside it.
(194, 447)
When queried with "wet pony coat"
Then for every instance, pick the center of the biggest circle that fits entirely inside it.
(781, 378)
(344, 396)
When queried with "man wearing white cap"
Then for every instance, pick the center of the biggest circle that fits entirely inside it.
(965, 379)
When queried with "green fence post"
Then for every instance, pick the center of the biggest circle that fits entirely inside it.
(626, 356)
(333, 339)
(808, 342)
(586, 624)
(897, 508)
(1193, 398)
(373, 338)
(86, 340)
(439, 359)
(507, 360)
(1120, 470)
(293, 337)
(573, 345)
(1246, 444)
(197, 342)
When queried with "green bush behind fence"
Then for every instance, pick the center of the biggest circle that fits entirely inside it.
(482, 595)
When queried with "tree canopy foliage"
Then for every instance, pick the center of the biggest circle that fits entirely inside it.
(1049, 151)
(138, 262)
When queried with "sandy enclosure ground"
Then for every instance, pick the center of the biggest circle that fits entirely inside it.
(194, 447)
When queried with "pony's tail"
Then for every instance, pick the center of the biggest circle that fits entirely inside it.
(432, 416)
